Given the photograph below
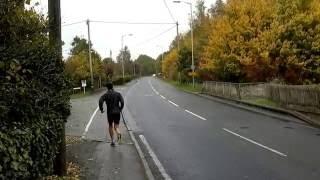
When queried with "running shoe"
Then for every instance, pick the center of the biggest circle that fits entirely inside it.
(113, 144)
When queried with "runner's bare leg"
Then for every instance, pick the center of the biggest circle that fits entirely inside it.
(111, 131)
(117, 130)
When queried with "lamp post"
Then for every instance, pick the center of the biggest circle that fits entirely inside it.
(122, 56)
(191, 29)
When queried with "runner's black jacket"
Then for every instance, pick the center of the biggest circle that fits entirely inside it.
(113, 100)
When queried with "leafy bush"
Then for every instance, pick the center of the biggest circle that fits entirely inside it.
(121, 81)
(34, 102)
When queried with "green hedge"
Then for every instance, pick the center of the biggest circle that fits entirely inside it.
(34, 102)
(121, 81)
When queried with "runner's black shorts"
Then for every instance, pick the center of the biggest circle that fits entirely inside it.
(113, 118)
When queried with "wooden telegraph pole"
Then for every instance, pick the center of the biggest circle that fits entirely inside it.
(56, 43)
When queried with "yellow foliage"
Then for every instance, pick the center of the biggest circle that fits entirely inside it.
(169, 64)
(238, 33)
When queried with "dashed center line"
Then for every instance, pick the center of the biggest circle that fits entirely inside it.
(256, 143)
(200, 117)
(173, 103)
(163, 97)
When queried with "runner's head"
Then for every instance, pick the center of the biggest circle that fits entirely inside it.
(109, 85)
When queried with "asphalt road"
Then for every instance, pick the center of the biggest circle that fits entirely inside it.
(197, 138)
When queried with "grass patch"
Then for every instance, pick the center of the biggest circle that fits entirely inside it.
(185, 87)
(263, 102)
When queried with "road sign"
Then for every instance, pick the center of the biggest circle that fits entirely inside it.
(83, 83)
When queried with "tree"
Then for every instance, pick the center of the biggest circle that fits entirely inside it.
(169, 65)
(125, 56)
(146, 64)
(234, 51)
(217, 9)
(295, 49)
(77, 65)
(109, 68)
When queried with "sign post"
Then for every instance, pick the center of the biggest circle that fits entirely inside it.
(84, 84)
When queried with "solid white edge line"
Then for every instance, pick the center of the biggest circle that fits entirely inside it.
(196, 115)
(162, 97)
(173, 103)
(256, 143)
(143, 158)
(89, 123)
(155, 158)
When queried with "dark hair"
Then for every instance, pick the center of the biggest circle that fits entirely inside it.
(109, 85)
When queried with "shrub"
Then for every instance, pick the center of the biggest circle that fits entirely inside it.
(34, 101)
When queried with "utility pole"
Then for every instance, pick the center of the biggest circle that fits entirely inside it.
(134, 69)
(191, 27)
(56, 42)
(178, 37)
(122, 57)
(192, 56)
(90, 60)
(178, 46)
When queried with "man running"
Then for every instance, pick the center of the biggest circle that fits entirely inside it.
(115, 105)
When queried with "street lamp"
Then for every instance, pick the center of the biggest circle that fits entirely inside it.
(122, 55)
(191, 24)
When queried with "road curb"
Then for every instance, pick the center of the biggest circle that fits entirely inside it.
(238, 103)
(142, 157)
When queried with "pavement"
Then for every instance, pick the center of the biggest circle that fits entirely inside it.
(97, 159)
(183, 136)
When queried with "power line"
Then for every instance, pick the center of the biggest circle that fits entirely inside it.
(156, 36)
(165, 3)
(125, 22)
(70, 24)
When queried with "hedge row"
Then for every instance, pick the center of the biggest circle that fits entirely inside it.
(34, 101)
(121, 81)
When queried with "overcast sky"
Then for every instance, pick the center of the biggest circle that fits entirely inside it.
(106, 37)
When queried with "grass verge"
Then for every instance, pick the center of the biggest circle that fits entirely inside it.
(185, 87)
(263, 102)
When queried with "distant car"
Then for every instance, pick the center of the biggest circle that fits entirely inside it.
(154, 75)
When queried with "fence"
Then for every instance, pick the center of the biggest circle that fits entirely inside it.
(300, 98)
(235, 90)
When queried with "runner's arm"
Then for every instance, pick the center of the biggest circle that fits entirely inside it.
(121, 102)
(101, 100)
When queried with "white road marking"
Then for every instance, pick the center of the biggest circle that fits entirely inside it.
(148, 95)
(173, 103)
(155, 159)
(256, 143)
(89, 123)
(200, 117)
(163, 97)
